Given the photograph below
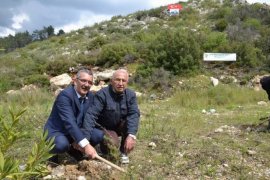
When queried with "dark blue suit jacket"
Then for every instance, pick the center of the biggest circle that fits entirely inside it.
(64, 118)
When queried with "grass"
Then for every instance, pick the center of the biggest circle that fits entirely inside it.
(187, 144)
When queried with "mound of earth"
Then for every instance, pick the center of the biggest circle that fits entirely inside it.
(85, 169)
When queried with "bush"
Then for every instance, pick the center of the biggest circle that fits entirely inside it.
(37, 79)
(252, 23)
(96, 43)
(221, 25)
(10, 134)
(85, 60)
(175, 51)
(247, 54)
(213, 40)
(158, 80)
(113, 54)
(60, 66)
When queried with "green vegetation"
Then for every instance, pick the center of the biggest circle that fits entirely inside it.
(164, 55)
(9, 135)
(187, 145)
(151, 39)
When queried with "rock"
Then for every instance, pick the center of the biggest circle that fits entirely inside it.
(13, 92)
(219, 130)
(97, 88)
(138, 94)
(262, 103)
(48, 177)
(81, 178)
(256, 82)
(212, 111)
(153, 96)
(152, 145)
(214, 81)
(27, 88)
(203, 111)
(58, 171)
(104, 76)
(60, 81)
(22, 167)
(251, 152)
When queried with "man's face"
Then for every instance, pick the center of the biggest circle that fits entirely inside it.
(83, 83)
(119, 81)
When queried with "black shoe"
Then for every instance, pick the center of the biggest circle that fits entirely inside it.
(53, 161)
(76, 154)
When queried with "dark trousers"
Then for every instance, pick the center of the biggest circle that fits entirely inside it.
(61, 144)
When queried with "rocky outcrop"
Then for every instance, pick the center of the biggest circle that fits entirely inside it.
(27, 88)
(60, 82)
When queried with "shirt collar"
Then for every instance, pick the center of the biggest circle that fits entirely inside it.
(78, 95)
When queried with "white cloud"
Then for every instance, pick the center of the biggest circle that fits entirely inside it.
(18, 20)
(6, 31)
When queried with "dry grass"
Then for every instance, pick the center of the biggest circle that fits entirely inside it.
(189, 144)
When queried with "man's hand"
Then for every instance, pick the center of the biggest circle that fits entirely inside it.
(77, 146)
(90, 151)
(129, 144)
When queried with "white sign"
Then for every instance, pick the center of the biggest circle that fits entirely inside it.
(219, 56)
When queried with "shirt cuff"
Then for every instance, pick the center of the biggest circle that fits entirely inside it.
(133, 136)
(83, 142)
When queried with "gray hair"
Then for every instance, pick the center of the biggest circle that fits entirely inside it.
(83, 70)
(120, 70)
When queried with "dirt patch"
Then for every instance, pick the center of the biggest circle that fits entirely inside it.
(86, 169)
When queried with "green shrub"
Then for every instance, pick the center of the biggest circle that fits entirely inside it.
(252, 23)
(97, 43)
(8, 82)
(37, 79)
(85, 60)
(158, 80)
(9, 135)
(114, 54)
(221, 25)
(59, 66)
(247, 54)
(62, 40)
(213, 40)
(175, 51)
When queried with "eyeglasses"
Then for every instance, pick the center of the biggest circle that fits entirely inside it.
(84, 81)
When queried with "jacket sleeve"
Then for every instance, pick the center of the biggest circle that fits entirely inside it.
(66, 114)
(92, 115)
(133, 115)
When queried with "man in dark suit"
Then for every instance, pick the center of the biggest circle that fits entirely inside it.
(116, 113)
(65, 121)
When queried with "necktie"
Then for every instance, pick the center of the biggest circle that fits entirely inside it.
(81, 99)
(80, 117)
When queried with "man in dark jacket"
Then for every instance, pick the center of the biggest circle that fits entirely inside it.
(65, 121)
(115, 110)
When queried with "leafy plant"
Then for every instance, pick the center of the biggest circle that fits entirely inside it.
(114, 54)
(9, 134)
(38, 79)
(175, 51)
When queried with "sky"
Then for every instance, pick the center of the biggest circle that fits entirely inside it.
(30, 15)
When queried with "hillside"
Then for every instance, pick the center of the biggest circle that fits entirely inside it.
(189, 129)
(148, 41)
